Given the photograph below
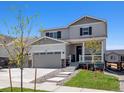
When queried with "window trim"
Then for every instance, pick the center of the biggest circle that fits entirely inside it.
(82, 31)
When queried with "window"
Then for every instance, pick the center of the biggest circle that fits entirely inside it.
(49, 52)
(58, 34)
(47, 34)
(50, 34)
(54, 34)
(57, 52)
(86, 31)
(113, 57)
(122, 58)
(43, 53)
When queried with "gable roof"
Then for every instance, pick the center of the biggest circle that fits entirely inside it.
(120, 52)
(81, 20)
(45, 37)
(26, 40)
(86, 20)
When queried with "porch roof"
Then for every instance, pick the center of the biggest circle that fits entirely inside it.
(84, 39)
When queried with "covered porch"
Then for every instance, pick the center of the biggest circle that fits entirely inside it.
(78, 53)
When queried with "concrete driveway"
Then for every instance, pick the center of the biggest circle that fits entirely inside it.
(28, 74)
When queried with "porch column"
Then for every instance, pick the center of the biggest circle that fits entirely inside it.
(102, 51)
(83, 51)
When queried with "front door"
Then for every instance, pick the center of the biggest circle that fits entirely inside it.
(78, 52)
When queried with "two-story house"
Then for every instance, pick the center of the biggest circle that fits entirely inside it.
(60, 45)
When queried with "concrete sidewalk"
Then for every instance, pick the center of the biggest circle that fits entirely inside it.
(51, 87)
(121, 78)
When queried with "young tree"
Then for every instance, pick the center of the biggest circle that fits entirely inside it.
(18, 50)
(94, 47)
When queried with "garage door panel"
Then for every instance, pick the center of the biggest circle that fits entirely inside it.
(48, 60)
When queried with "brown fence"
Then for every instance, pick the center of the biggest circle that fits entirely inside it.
(115, 65)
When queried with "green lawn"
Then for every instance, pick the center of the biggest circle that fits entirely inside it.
(85, 79)
(18, 90)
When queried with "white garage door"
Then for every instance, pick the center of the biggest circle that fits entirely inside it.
(47, 60)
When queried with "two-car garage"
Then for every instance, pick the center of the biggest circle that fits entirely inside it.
(47, 59)
(48, 55)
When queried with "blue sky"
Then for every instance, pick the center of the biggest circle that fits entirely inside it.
(60, 14)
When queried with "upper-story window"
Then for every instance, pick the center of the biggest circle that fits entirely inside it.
(54, 34)
(59, 34)
(122, 58)
(112, 57)
(86, 31)
(51, 34)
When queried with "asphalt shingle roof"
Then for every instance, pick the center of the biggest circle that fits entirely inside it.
(121, 51)
(3, 51)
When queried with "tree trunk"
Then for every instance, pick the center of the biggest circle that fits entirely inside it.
(21, 68)
(35, 79)
(10, 78)
(94, 66)
(93, 61)
(21, 80)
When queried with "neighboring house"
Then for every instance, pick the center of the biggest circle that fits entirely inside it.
(3, 52)
(115, 59)
(4, 38)
(4, 55)
(62, 45)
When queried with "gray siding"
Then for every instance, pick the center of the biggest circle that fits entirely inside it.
(64, 32)
(115, 59)
(99, 29)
